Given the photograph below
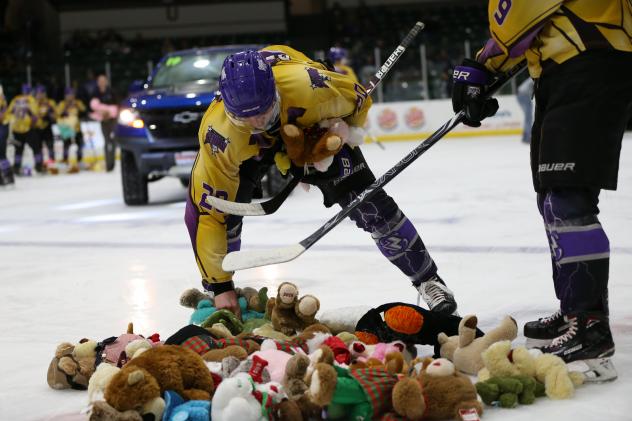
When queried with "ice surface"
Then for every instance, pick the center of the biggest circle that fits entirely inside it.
(76, 262)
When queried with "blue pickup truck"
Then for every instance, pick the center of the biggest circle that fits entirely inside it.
(158, 124)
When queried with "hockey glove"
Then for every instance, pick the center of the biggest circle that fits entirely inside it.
(471, 80)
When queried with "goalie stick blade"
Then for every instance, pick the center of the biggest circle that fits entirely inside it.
(247, 259)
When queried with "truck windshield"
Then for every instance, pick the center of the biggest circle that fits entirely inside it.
(183, 69)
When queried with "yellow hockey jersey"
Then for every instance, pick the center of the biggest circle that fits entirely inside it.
(21, 114)
(68, 113)
(3, 109)
(46, 113)
(346, 70)
(548, 32)
(309, 93)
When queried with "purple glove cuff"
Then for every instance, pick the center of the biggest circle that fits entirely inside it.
(470, 75)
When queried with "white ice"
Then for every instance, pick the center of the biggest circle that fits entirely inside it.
(76, 262)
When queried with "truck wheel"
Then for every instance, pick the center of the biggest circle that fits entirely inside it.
(110, 154)
(134, 184)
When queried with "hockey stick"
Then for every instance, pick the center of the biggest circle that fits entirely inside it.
(272, 205)
(253, 258)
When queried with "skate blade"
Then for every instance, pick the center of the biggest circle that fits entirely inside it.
(597, 370)
(537, 343)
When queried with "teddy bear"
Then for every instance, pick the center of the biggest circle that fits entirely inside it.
(142, 381)
(502, 361)
(72, 366)
(202, 340)
(289, 313)
(102, 411)
(445, 394)
(315, 145)
(235, 399)
(465, 349)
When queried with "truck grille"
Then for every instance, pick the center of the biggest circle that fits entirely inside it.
(173, 123)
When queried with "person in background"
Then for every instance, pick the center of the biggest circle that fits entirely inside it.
(525, 97)
(104, 108)
(339, 57)
(69, 110)
(22, 116)
(6, 173)
(46, 116)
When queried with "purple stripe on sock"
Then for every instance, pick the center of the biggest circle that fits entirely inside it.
(585, 244)
(397, 241)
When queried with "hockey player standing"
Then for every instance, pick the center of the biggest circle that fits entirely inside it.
(260, 92)
(22, 116)
(45, 119)
(6, 174)
(580, 54)
(68, 113)
(339, 57)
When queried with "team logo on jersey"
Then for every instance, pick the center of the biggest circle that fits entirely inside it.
(317, 79)
(216, 141)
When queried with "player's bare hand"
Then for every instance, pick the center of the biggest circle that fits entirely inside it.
(228, 300)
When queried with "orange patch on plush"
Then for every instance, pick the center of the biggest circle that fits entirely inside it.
(367, 338)
(404, 319)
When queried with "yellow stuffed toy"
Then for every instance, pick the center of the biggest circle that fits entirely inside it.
(501, 360)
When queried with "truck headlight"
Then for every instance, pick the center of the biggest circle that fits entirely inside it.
(129, 117)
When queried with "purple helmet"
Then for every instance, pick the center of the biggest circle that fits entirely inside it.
(247, 84)
(26, 89)
(69, 91)
(336, 54)
(40, 89)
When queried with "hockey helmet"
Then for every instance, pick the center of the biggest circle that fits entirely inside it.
(337, 54)
(26, 89)
(248, 90)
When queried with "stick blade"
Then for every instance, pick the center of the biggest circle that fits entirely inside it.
(235, 208)
(247, 259)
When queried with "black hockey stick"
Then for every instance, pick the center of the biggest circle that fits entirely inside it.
(253, 258)
(272, 205)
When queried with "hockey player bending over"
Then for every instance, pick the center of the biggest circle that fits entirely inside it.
(580, 54)
(239, 135)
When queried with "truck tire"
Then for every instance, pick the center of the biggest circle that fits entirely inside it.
(110, 154)
(135, 190)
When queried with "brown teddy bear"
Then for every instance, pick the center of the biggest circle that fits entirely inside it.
(310, 145)
(143, 380)
(438, 392)
(72, 366)
(290, 314)
(465, 349)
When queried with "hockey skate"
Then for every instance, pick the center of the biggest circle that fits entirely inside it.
(437, 295)
(542, 331)
(586, 346)
(6, 174)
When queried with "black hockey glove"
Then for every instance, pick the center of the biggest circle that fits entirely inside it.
(471, 80)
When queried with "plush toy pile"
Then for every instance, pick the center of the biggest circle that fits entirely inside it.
(280, 362)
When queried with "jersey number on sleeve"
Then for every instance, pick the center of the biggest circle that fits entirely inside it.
(208, 190)
(503, 10)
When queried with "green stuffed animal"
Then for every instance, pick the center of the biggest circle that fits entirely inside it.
(509, 391)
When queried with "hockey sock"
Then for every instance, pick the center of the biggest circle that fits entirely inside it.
(395, 236)
(579, 246)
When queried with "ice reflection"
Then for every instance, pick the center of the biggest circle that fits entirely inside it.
(139, 301)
